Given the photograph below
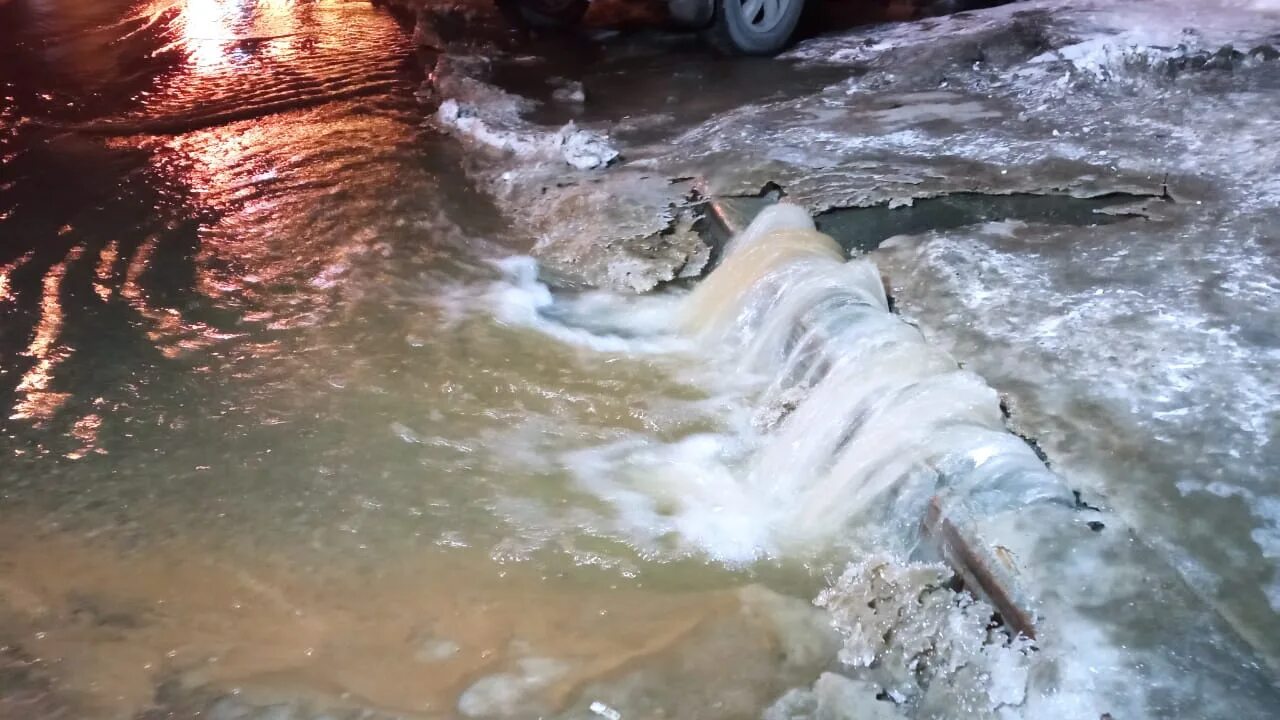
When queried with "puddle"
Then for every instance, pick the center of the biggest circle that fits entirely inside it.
(670, 78)
(863, 229)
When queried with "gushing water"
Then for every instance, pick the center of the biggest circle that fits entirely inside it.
(858, 415)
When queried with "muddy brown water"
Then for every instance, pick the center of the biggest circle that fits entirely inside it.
(260, 436)
(407, 634)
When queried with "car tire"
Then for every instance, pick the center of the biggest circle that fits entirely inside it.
(692, 14)
(754, 27)
(544, 14)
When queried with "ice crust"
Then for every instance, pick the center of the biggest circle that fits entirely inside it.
(511, 694)
(923, 644)
(582, 149)
(1139, 355)
(562, 186)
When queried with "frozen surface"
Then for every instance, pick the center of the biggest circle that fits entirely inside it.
(1144, 354)
(915, 636)
(511, 694)
(581, 149)
(549, 180)
(343, 464)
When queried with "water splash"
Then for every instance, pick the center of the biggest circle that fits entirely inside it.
(874, 416)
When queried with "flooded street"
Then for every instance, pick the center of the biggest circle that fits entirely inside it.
(361, 362)
(262, 432)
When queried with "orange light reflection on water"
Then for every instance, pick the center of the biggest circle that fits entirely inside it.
(85, 430)
(212, 33)
(266, 239)
(35, 400)
(172, 334)
(6, 272)
(102, 273)
(275, 238)
(206, 28)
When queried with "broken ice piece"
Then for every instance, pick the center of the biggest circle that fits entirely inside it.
(584, 149)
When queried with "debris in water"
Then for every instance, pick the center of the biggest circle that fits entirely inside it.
(584, 149)
(490, 116)
(605, 711)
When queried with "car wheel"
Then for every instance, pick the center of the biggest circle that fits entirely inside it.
(544, 14)
(693, 14)
(755, 27)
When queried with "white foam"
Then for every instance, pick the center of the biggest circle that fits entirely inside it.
(688, 488)
(598, 321)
